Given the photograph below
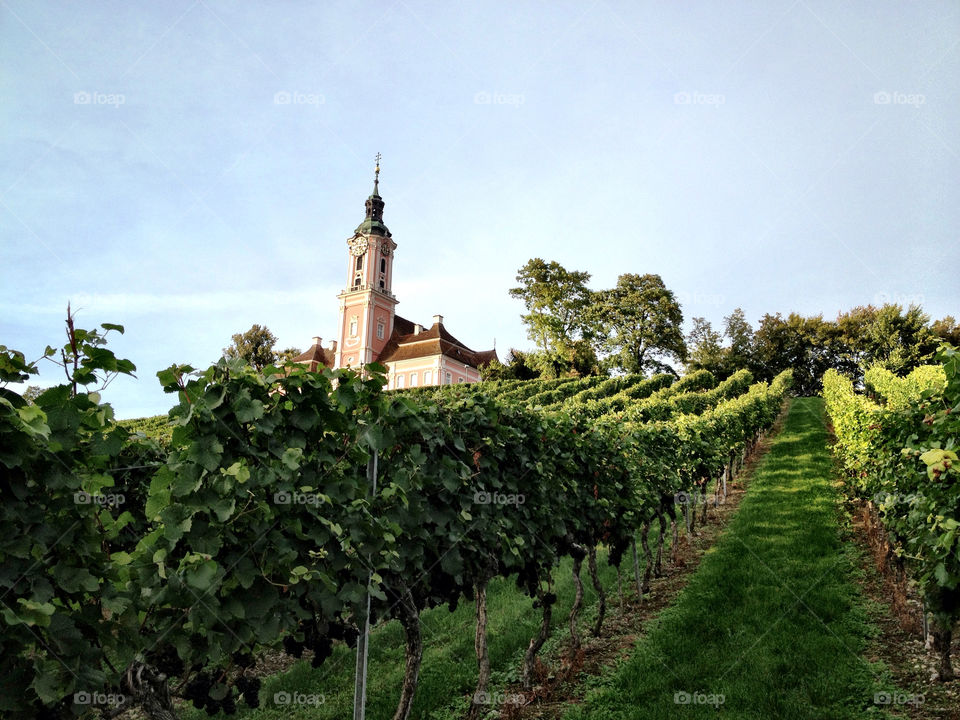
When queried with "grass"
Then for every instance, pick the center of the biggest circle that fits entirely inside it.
(449, 671)
(771, 625)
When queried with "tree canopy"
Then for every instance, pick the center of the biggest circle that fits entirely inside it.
(638, 325)
(556, 300)
(255, 347)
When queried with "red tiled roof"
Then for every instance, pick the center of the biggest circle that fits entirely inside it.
(316, 356)
(405, 345)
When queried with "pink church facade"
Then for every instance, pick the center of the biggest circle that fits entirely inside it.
(371, 331)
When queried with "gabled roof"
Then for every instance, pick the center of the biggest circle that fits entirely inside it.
(405, 344)
(315, 356)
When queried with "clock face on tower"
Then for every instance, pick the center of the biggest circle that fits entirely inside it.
(358, 245)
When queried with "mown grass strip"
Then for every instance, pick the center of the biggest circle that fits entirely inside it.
(771, 625)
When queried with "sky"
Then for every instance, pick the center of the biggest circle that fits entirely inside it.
(192, 167)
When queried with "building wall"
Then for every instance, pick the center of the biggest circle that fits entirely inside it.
(411, 373)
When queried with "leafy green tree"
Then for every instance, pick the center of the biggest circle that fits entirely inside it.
(899, 339)
(288, 354)
(888, 336)
(255, 347)
(779, 343)
(638, 325)
(31, 393)
(740, 334)
(577, 359)
(947, 329)
(705, 350)
(519, 366)
(556, 300)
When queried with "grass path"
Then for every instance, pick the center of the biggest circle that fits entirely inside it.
(771, 625)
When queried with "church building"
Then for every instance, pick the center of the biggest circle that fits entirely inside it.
(371, 330)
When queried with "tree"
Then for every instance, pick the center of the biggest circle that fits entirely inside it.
(255, 346)
(947, 329)
(639, 325)
(740, 335)
(519, 366)
(556, 300)
(288, 354)
(31, 393)
(705, 351)
(900, 340)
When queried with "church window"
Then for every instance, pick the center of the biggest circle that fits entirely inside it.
(358, 280)
(449, 379)
(380, 330)
(353, 327)
(359, 265)
(383, 265)
(459, 379)
(399, 381)
(413, 379)
(428, 377)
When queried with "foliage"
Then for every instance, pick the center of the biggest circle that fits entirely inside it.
(256, 525)
(287, 354)
(738, 331)
(157, 427)
(896, 392)
(948, 330)
(69, 493)
(705, 351)
(902, 457)
(32, 392)
(556, 300)
(639, 325)
(255, 347)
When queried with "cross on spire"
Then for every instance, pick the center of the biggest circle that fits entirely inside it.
(376, 175)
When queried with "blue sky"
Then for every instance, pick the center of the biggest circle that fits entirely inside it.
(191, 167)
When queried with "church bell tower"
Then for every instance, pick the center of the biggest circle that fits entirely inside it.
(367, 302)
